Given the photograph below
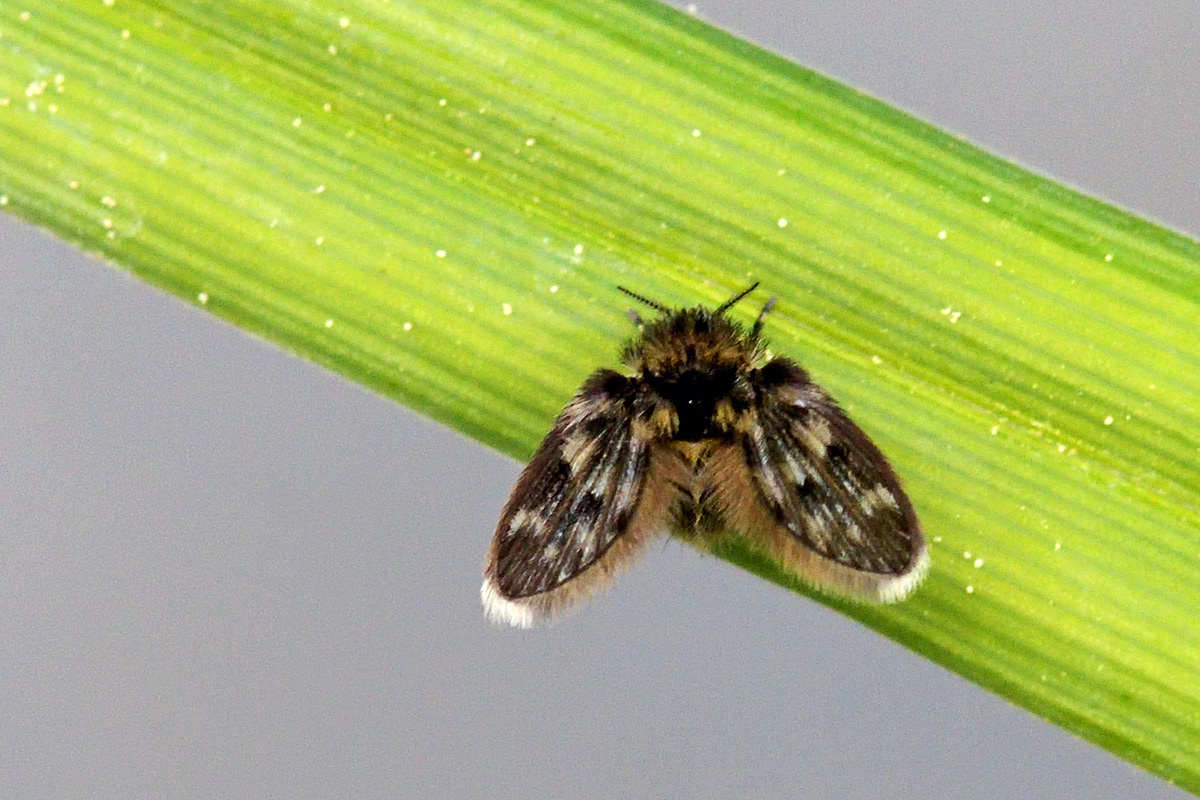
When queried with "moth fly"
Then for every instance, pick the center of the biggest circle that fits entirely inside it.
(704, 437)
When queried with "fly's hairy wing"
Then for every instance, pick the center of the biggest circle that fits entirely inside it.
(580, 510)
(806, 482)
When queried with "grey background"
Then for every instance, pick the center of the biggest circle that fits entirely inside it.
(224, 572)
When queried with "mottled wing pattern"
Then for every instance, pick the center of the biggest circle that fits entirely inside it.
(561, 534)
(828, 488)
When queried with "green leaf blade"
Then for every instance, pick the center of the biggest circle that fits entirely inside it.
(438, 200)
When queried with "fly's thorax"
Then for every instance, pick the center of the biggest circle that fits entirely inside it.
(696, 403)
(694, 368)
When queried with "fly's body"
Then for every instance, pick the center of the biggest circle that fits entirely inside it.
(704, 436)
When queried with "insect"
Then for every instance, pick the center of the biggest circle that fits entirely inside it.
(707, 436)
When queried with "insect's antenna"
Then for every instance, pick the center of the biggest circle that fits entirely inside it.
(728, 304)
(655, 305)
(762, 317)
